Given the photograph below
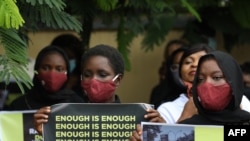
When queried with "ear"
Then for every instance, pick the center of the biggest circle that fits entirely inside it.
(118, 80)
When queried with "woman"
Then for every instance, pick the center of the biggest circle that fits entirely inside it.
(72, 46)
(171, 111)
(167, 90)
(217, 92)
(49, 82)
(102, 72)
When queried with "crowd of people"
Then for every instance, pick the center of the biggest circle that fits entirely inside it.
(198, 85)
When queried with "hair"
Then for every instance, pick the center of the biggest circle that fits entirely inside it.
(68, 41)
(46, 51)
(72, 43)
(172, 42)
(245, 67)
(113, 55)
(194, 49)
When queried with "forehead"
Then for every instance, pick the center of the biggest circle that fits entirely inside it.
(97, 63)
(54, 58)
(209, 66)
(196, 55)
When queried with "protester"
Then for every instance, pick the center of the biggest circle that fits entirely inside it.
(102, 73)
(168, 90)
(169, 49)
(217, 92)
(48, 83)
(72, 46)
(245, 67)
(171, 111)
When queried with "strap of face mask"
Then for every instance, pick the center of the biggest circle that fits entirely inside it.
(116, 77)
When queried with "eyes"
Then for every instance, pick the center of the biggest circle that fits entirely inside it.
(215, 78)
(99, 74)
(50, 68)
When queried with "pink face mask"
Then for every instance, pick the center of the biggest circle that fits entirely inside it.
(214, 98)
(98, 91)
(52, 81)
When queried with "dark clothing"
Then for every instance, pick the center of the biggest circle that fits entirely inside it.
(165, 91)
(232, 114)
(117, 99)
(32, 101)
(200, 120)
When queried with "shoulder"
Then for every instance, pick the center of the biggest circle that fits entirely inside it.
(18, 103)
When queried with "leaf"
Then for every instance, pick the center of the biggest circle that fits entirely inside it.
(191, 9)
(9, 15)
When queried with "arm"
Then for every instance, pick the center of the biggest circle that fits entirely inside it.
(41, 117)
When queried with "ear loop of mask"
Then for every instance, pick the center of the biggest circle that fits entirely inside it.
(116, 77)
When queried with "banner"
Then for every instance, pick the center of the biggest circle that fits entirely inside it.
(181, 132)
(93, 122)
(18, 126)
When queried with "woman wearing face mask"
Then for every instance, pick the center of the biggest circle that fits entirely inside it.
(49, 82)
(217, 92)
(72, 46)
(171, 111)
(102, 72)
(168, 90)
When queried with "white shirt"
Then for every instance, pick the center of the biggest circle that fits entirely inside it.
(245, 104)
(171, 111)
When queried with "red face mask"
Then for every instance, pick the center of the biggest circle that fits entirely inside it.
(98, 91)
(52, 81)
(214, 98)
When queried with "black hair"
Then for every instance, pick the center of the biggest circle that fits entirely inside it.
(70, 42)
(193, 49)
(44, 52)
(245, 67)
(172, 42)
(112, 54)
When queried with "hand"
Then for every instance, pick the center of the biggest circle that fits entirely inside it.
(154, 116)
(136, 135)
(189, 110)
(41, 117)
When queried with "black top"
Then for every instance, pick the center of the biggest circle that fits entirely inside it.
(232, 114)
(32, 101)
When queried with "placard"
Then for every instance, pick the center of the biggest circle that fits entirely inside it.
(93, 122)
(18, 126)
(181, 132)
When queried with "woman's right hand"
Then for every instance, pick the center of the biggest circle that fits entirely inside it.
(41, 117)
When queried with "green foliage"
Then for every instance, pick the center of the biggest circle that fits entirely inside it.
(14, 62)
(191, 9)
(156, 31)
(106, 5)
(27, 15)
(44, 14)
(9, 15)
(57, 4)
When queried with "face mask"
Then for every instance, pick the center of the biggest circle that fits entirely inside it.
(214, 98)
(52, 81)
(98, 91)
(72, 65)
(176, 76)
